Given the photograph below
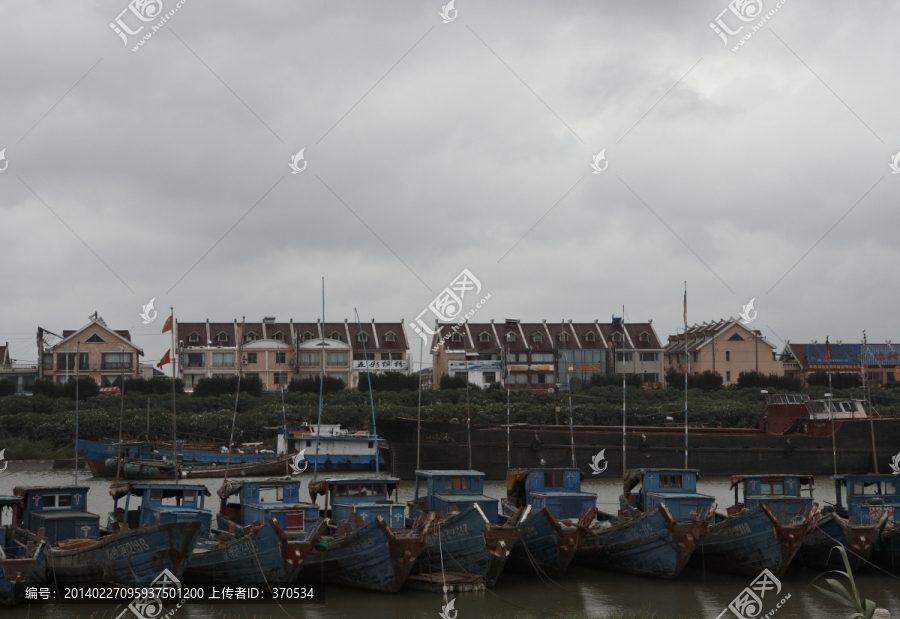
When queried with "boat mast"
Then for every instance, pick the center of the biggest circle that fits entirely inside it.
(371, 397)
(687, 369)
(237, 393)
(287, 442)
(321, 384)
(419, 420)
(868, 396)
(171, 323)
(468, 415)
(77, 359)
(831, 408)
(624, 468)
(121, 415)
(569, 370)
(505, 362)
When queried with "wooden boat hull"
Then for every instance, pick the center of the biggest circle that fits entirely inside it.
(887, 551)
(829, 530)
(366, 556)
(17, 573)
(157, 469)
(466, 543)
(546, 546)
(651, 544)
(132, 557)
(264, 556)
(750, 541)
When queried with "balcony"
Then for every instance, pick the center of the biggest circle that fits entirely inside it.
(115, 365)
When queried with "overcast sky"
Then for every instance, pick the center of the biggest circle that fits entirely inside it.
(450, 141)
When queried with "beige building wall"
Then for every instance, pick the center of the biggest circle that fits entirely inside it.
(106, 359)
(733, 350)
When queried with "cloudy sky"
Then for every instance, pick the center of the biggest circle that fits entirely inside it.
(432, 147)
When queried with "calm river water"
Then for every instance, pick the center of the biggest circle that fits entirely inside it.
(697, 594)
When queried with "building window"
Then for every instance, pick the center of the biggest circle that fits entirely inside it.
(195, 360)
(281, 378)
(95, 339)
(484, 337)
(222, 337)
(336, 358)
(362, 337)
(540, 379)
(251, 375)
(47, 361)
(537, 338)
(727, 355)
(111, 381)
(645, 337)
(589, 337)
(696, 356)
(194, 337)
(116, 361)
(517, 378)
(650, 378)
(510, 337)
(390, 336)
(391, 356)
(279, 357)
(521, 357)
(728, 377)
(456, 337)
(337, 336)
(649, 356)
(251, 357)
(307, 336)
(309, 359)
(279, 337)
(564, 338)
(363, 356)
(223, 359)
(251, 337)
(66, 361)
(628, 356)
(489, 377)
(542, 357)
(617, 337)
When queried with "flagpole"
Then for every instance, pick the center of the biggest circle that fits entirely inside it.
(321, 385)
(371, 396)
(687, 369)
(831, 408)
(174, 417)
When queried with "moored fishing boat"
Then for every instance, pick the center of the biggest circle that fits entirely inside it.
(21, 565)
(465, 537)
(360, 548)
(764, 531)
(80, 552)
(868, 497)
(136, 468)
(555, 521)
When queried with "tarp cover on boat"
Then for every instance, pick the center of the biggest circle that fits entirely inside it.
(631, 479)
(117, 491)
(229, 488)
(515, 483)
(316, 488)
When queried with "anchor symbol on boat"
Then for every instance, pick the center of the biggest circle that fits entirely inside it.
(295, 462)
(895, 463)
(597, 459)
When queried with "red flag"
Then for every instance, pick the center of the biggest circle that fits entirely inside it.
(825, 355)
(168, 325)
(165, 359)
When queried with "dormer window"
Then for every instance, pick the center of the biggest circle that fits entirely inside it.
(564, 338)
(390, 336)
(96, 339)
(456, 337)
(222, 337)
(589, 337)
(484, 337)
(307, 336)
(537, 338)
(251, 337)
(617, 337)
(336, 336)
(279, 336)
(645, 337)
(510, 337)
(194, 337)
(362, 337)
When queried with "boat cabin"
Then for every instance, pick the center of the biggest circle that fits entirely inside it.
(786, 496)
(261, 500)
(677, 488)
(60, 510)
(559, 490)
(868, 496)
(797, 414)
(451, 491)
(148, 505)
(367, 497)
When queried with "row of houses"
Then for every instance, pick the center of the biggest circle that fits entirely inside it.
(537, 356)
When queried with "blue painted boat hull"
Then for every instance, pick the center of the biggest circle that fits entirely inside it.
(366, 556)
(264, 556)
(132, 557)
(17, 573)
(465, 543)
(651, 544)
(546, 546)
(818, 548)
(748, 542)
